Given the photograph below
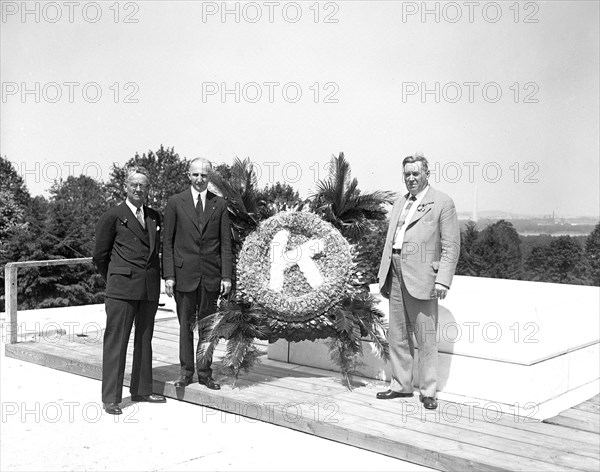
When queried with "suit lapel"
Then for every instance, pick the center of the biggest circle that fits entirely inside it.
(189, 206)
(426, 206)
(209, 209)
(396, 212)
(130, 222)
(151, 225)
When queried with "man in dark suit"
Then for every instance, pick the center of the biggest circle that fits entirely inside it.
(126, 255)
(417, 265)
(197, 263)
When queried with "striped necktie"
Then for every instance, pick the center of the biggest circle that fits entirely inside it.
(140, 217)
(402, 219)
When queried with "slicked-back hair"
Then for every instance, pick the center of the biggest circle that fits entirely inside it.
(411, 159)
(132, 170)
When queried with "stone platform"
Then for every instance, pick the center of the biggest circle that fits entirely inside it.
(529, 348)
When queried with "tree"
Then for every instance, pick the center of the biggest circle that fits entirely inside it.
(592, 252)
(468, 237)
(12, 183)
(75, 207)
(63, 228)
(12, 216)
(339, 201)
(497, 253)
(561, 261)
(275, 198)
(14, 201)
(14, 210)
(167, 172)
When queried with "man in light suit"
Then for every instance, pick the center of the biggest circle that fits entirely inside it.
(197, 263)
(126, 255)
(417, 266)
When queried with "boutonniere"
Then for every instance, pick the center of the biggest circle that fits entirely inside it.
(157, 228)
(422, 206)
(124, 222)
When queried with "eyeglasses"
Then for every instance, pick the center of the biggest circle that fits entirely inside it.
(135, 185)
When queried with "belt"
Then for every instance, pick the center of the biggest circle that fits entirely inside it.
(396, 251)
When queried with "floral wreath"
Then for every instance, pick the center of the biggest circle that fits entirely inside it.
(296, 280)
(295, 266)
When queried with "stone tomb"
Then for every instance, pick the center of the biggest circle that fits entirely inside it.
(527, 348)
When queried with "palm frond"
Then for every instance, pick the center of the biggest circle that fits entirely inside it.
(236, 350)
(339, 201)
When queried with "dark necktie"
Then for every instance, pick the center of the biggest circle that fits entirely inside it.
(199, 208)
(140, 217)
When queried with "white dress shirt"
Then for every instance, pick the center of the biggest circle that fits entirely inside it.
(202, 195)
(133, 209)
(399, 237)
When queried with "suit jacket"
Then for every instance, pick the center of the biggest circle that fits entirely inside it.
(126, 255)
(197, 250)
(430, 248)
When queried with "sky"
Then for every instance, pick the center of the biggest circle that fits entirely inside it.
(501, 97)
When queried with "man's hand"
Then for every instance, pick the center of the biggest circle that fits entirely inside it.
(439, 291)
(169, 287)
(225, 287)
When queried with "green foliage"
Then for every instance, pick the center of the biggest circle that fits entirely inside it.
(168, 176)
(369, 250)
(592, 252)
(339, 201)
(62, 228)
(275, 198)
(12, 216)
(560, 261)
(356, 317)
(14, 203)
(12, 183)
(240, 321)
(75, 206)
(239, 324)
(343, 353)
(238, 186)
(468, 238)
(496, 252)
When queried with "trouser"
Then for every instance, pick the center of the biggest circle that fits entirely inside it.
(410, 316)
(192, 306)
(120, 318)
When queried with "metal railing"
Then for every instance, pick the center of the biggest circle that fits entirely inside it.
(10, 286)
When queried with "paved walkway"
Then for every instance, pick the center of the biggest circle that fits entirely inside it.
(53, 421)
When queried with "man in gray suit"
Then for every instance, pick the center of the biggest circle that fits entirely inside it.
(417, 265)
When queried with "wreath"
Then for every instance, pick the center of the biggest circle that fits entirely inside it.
(296, 280)
(295, 265)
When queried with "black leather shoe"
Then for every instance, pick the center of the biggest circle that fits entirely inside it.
(182, 381)
(389, 394)
(152, 398)
(112, 408)
(208, 382)
(429, 403)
